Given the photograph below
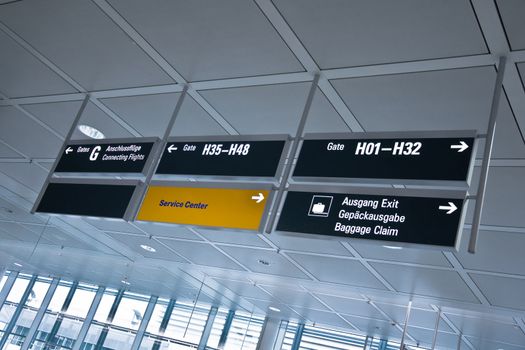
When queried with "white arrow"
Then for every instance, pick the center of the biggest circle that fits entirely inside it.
(451, 207)
(461, 147)
(259, 198)
(172, 148)
(69, 150)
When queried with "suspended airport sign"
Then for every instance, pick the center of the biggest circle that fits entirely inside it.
(87, 199)
(107, 156)
(421, 156)
(233, 208)
(392, 218)
(228, 156)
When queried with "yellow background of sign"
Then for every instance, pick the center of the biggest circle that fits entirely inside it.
(229, 208)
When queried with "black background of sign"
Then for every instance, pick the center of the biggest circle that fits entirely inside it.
(79, 162)
(424, 223)
(261, 161)
(110, 201)
(436, 162)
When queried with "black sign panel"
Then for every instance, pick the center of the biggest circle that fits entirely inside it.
(228, 158)
(436, 159)
(398, 219)
(110, 201)
(105, 158)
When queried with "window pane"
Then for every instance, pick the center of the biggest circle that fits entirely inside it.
(130, 312)
(18, 289)
(103, 308)
(81, 302)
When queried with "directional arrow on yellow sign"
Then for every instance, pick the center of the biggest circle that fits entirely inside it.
(215, 207)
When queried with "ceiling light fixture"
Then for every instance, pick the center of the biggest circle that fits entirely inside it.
(125, 282)
(148, 248)
(273, 308)
(90, 131)
(392, 247)
(17, 264)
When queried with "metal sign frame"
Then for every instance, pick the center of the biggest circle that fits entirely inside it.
(392, 135)
(380, 191)
(216, 185)
(230, 138)
(147, 164)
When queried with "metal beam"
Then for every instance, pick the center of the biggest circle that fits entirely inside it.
(89, 318)
(207, 328)
(7, 287)
(298, 336)
(144, 323)
(407, 317)
(491, 130)
(40, 314)
(226, 329)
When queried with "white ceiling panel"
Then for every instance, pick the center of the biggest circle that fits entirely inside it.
(205, 41)
(234, 237)
(337, 270)
(418, 317)
(501, 291)
(426, 282)
(83, 42)
(313, 245)
(166, 230)
(23, 75)
(255, 259)
(488, 344)
(60, 116)
(274, 109)
(328, 319)
(9, 211)
(295, 297)
(495, 251)
(27, 174)
(489, 330)
(6, 152)
(378, 328)
(201, 254)
(339, 33)
(150, 114)
(135, 241)
(443, 341)
(112, 225)
(512, 13)
(354, 307)
(245, 289)
(58, 237)
(21, 233)
(26, 136)
(457, 99)
(409, 255)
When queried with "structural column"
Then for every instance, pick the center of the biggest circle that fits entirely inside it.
(272, 334)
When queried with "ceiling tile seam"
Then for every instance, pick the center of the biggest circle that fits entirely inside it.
(508, 229)
(313, 295)
(50, 65)
(518, 102)
(327, 255)
(150, 51)
(47, 62)
(368, 267)
(18, 182)
(386, 316)
(299, 50)
(137, 38)
(285, 31)
(188, 261)
(14, 149)
(479, 26)
(25, 160)
(520, 323)
(252, 81)
(205, 239)
(116, 118)
(466, 278)
(402, 263)
(502, 162)
(454, 328)
(494, 31)
(299, 266)
(42, 99)
(495, 273)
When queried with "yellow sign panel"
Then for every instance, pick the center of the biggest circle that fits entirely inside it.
(217, 207)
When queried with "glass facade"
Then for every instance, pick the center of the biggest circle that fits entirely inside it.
(44, 314)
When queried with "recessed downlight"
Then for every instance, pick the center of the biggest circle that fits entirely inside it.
(90, 131)
(273, 308)
(125, 282)
(17, 264)
(392, 247)
(148, 248)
